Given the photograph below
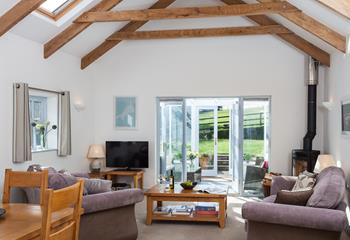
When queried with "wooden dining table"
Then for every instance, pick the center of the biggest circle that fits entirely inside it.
(23, 221)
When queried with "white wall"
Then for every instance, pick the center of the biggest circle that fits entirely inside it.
(22, 61)
(240, 66)
(338, 81)
(232, 66)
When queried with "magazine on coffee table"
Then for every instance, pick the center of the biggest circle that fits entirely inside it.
(211, 190)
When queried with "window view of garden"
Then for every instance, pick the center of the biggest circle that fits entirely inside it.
(254, 121)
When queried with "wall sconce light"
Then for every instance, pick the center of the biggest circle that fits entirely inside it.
(79, 106)
(327, 105)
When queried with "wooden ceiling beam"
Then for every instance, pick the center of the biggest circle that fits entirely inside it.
(17, 13)
(195, 33)
(291, 38)
(341, 7)
(192, 12)
(74, 29)
(314, 27)
(263, 20)
(108, 45)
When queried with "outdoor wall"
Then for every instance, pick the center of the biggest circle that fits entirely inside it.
(338, 81)
(233, 66)
(22, 61)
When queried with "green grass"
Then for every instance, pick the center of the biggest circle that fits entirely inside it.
(251, 117)
(251, 147)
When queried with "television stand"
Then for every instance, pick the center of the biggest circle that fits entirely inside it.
(127, 169)
(137, 176)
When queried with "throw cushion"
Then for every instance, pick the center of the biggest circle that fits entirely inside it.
(298, 198)
(329, 190)
(94, 186)
(33, 194)
(56, 181)
(305, 181)
(59, 181)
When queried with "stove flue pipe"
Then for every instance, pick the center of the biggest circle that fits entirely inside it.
(313, 69)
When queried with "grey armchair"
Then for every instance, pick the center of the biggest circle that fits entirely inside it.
(110, 215)
(107, 215)
(271, 221)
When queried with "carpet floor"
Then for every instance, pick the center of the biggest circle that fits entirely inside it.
(234, 229)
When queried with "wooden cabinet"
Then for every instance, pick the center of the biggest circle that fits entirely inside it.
(136, 175)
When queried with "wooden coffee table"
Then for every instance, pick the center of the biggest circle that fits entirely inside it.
(159, 195)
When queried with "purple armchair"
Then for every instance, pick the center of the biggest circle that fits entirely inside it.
(322, 219)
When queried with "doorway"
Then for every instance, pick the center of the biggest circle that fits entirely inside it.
(227, 139)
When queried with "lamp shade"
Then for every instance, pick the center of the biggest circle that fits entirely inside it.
(96, 151)
(324, 161)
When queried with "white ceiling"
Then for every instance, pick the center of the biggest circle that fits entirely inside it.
(40, 29)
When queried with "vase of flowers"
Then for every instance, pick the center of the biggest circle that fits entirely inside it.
(192, 156)
(44, 129)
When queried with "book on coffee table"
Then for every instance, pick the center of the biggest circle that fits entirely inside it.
(206, 209)
(162, 210)
(182, 210)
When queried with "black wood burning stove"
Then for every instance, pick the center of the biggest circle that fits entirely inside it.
(305, 159)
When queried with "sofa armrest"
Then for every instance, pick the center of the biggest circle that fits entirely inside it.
(109, 200)
(297, 216)
(282, 183)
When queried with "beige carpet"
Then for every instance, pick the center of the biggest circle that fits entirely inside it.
(234, 229)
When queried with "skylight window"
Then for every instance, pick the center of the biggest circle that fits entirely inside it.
(55, 9)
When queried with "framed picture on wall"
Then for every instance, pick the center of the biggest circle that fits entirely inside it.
(345, 111)
(125, 112)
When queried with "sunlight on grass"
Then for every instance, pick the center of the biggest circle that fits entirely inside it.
(251, 147)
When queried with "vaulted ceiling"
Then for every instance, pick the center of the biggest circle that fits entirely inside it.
(316, 27)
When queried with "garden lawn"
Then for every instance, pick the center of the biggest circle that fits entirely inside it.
(251, 147)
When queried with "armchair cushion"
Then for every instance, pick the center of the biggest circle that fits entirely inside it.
(59, 181)
(329, 190)
(297, 216)
(304, 181)
(109, 200)
(94, 186)
(298, 198)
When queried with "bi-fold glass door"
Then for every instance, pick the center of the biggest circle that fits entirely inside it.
(224, 137)
(171, 138)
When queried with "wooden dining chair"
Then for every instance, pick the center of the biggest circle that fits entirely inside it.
(22, 180)
(54, 201)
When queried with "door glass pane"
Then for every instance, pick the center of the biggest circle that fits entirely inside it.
(255, 144)
(206, 138)
(171, 139)
(223, 141)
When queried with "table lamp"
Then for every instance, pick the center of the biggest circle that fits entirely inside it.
(96, 152)
(324, 161)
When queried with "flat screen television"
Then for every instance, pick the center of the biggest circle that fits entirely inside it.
(127, 154)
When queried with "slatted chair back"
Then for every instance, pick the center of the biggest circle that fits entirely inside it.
(54, 201)
(23, 179)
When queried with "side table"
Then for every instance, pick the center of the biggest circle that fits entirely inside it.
(267, 181)
(136, 175)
